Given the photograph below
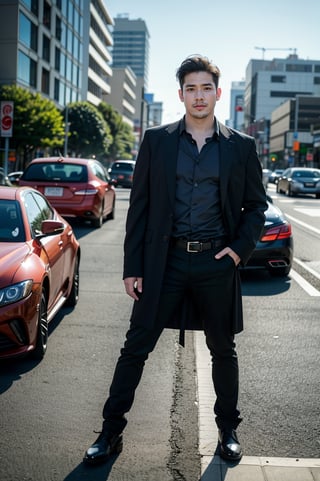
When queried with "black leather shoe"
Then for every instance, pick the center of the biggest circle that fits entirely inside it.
(230, 448)
(104, 446)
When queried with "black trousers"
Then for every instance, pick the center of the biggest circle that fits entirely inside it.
(210, 283)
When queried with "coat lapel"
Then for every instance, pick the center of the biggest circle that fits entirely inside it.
(169, 152)
(226, 159)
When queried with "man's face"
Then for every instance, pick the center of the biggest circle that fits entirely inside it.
(199, 94)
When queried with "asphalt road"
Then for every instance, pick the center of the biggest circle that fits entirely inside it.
(48, 411)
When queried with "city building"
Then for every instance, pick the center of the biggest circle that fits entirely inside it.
(131, 48)
(269, 84)
(292, 132)
(123, 85)
(97, 43)
(236, 105)
(41, 47)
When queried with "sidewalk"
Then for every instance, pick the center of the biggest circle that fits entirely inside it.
(250, 468)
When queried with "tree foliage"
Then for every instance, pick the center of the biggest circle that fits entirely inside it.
(89, 134)
(122, 135)
(37, 123)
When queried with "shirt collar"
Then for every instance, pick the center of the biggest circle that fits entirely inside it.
(216, 133)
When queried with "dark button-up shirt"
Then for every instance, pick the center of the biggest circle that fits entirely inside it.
(197, 213)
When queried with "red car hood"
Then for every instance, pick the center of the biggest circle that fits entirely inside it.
(11, 257)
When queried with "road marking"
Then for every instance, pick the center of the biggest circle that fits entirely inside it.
(311, 212)
(306, 286)
(307, 268)
(303, 224)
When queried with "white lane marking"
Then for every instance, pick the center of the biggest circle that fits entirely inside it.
(307, 268)
(303, 224)
(306, 286)
(311, 212)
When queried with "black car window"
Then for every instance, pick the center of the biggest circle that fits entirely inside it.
(11, 226)
(56, 172)
(124, 166)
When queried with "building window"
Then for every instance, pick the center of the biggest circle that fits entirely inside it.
(57, 60)
(27, 70)
(278, 79)
(316, 80)
(32, 6)
(58, 28)
(297, 67)
(46, 48)
(285, 94)
(45, 81)
(56, 89)
(47, 15)
(28, 32)
(317, 68)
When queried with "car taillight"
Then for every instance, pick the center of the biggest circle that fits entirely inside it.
(280, 232)
(86, 192)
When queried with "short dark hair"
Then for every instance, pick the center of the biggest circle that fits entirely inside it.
(197, 63)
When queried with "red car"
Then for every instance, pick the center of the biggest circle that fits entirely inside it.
(39, 265)
(75, 187)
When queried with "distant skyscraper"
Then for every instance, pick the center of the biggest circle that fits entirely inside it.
(131, 46)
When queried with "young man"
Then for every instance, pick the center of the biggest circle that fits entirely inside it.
(196, 212)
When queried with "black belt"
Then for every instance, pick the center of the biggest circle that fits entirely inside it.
(198, 246)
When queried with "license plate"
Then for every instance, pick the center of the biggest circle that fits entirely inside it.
(309, 184)
(53, 191)
(120, 176)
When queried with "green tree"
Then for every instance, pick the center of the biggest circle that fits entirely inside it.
(122, 135)
(89, 134)
(37, 123)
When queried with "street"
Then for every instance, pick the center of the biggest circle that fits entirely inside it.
(49, 410)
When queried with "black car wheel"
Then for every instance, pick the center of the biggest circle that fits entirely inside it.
(98, 221)
(74, 293)
(112, 213)
(42, 333)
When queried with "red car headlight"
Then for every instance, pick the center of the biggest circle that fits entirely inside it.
(15, 292)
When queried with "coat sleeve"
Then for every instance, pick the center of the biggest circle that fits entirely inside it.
(248, 220)
(137, 214)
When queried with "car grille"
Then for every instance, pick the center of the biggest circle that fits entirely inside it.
(6, 343)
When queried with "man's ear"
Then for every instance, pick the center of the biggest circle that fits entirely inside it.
(218, 93)
(181, 95)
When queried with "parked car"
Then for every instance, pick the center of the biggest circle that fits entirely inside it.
(15, 176)
(75, 187)
(265, 177)
(274, 176)
(299, 180)
(39, 265)
(4, 179)
(274, 250)
(121, 171)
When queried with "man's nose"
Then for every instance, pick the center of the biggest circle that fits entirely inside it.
(198, 93)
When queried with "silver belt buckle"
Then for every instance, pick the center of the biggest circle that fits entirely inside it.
(193, 249)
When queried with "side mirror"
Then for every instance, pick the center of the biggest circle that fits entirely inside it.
(51, 227)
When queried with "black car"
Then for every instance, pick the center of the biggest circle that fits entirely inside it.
(121, 172)
(274, 251)
(299, 180)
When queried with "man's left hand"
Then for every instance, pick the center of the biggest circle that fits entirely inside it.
(228, 251)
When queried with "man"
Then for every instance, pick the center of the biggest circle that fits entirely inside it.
(196, 212)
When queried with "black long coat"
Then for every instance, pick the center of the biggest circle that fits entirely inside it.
(150, 215)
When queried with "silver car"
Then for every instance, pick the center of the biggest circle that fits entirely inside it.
(299, 180)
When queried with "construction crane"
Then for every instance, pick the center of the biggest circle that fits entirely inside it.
(264, 49)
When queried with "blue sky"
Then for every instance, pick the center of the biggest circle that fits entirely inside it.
(226, 32)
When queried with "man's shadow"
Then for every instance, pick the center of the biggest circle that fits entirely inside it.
(217, 468)
(100, 472)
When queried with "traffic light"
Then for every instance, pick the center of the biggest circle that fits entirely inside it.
(273, 157)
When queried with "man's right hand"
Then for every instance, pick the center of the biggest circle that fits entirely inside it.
(133, 286)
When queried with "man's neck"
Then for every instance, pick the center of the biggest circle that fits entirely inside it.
(203, 126)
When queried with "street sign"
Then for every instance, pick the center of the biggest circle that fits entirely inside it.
(6, 118)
